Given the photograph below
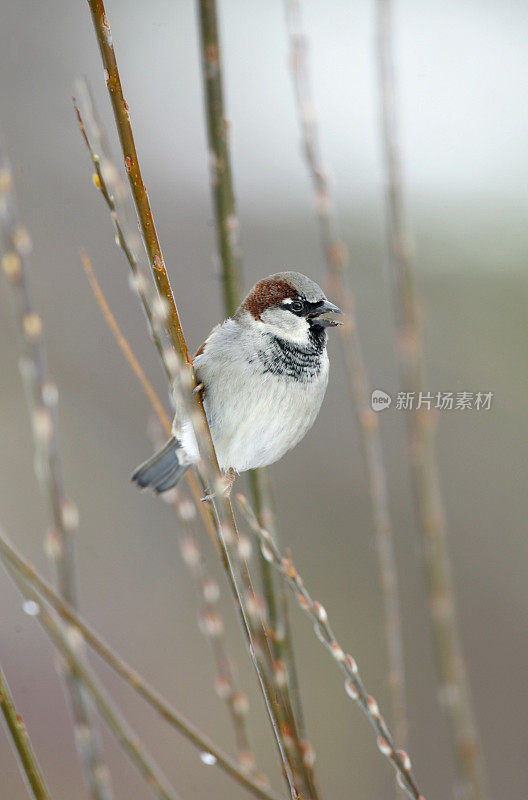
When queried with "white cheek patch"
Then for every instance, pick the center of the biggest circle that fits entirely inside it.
(286, 326)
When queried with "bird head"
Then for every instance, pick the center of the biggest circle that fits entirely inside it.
(289, 305)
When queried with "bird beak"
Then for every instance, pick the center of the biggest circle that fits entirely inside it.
(326, 307)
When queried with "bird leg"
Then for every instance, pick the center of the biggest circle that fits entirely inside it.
(230, 476)
(229, 479)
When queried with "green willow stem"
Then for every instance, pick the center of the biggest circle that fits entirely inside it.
(278, 613)
(220, 166)
(288, 712)
(21, 742)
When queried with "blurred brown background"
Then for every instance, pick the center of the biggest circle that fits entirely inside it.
(463, 84)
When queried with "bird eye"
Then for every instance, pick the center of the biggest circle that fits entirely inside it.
(297, 305)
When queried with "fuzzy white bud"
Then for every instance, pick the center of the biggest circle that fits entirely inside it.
(74, 637)
(266, 553)
(42, 425)
(138, 283)
(69, 515)
(373, 706)
(351, 690)
(383, 746)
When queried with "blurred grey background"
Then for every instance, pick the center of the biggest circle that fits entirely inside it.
(463, 83)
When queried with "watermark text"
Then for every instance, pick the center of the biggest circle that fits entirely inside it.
(441, 401)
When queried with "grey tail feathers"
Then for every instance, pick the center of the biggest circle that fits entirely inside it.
(163, 470)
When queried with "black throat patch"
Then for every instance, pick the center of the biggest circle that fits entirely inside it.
(294, 361)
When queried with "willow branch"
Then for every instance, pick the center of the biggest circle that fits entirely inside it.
(19, 736)
(13, 559)
(353, 684)
(42, 396)
(168, 320)
(212, 626)
(289, 713)
(219, 162)
(123, 343)
(336, 257)
(450, 666)
(106, 179)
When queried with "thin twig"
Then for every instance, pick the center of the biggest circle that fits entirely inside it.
(179, 354)
(21, 743)
(353, 683)
(336, 257)
(123, 343)
(107, 179)
(211, 622)
(288, 712)
(42, 395)
(451, 671)
(13, 559)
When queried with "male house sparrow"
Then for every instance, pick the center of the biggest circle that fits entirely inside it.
(264, 373)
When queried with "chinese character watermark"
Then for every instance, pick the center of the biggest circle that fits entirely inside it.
(440, 401)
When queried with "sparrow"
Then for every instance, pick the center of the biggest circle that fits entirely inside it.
(263, 374)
